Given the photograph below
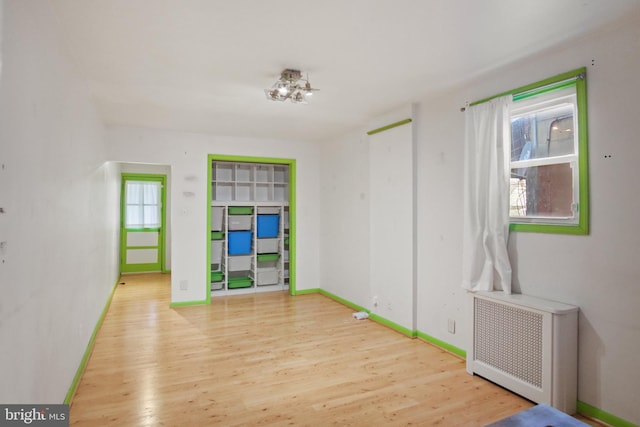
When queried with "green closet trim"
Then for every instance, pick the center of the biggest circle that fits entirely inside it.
(391, 126)
(592, 411)
(188, 303)
(89, 349)
(446, 346)
(292, 210)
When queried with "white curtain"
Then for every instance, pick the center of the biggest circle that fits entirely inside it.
(486, 265)
(143, 204)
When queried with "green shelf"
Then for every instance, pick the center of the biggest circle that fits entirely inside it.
(268, 257)
(240, 210)
(239, 282)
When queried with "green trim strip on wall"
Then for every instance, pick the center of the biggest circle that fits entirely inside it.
(532, 87)
(292, 210)
(446, 346)
(591, 411)
(87, 352)
(546, 88)
(188, 303)
(387, 127)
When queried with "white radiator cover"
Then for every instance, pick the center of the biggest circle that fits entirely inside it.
(528, 345)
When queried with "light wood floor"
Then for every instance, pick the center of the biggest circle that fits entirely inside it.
(270, 359)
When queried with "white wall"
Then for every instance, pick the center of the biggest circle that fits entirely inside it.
(367, 212)
(391, 263)
(187, 153)
(59, 260)
(156, 170)
(599, 272)
(344, 193)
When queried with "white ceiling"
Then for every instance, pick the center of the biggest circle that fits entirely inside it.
(202, 65)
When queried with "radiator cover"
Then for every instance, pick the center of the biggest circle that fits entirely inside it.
(527, 345)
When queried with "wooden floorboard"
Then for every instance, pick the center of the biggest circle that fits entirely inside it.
(270, 359)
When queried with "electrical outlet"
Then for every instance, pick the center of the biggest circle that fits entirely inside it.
(184, 285)
(451, 326)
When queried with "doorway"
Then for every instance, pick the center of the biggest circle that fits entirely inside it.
(142, 223)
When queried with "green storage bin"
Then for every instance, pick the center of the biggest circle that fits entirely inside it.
(268, 257)
(240, 210)
(239, 282)
(217, 235)
(217, 276)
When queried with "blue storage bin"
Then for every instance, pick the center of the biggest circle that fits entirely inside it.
(268, 225)
(240, 242)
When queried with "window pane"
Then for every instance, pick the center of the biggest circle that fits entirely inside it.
(152, 216)
(142, 204)
(134, 193)
(543, 133)
(542, 191)
(133, 216)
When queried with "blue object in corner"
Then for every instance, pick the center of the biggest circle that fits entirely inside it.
(268, 225)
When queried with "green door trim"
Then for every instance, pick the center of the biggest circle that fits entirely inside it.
(292, 211)
(138, 268)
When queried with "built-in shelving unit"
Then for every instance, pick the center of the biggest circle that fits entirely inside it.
(249, 227)
(250, 182)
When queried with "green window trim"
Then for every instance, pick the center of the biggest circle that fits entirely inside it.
(575, 78)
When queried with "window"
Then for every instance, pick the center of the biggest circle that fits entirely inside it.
(142, 204)
(549, 180)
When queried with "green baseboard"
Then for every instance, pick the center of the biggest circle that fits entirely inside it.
(591, 411)
(446, 346)
(187, 303)
(398, 328)
(378, 319)
(306, 291)
(89, 349)
(343, 301)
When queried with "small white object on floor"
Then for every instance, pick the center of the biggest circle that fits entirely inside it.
(361, 315)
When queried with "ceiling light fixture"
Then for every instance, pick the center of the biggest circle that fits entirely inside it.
(290, 86)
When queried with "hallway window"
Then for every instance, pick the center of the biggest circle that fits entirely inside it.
(142, 204)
